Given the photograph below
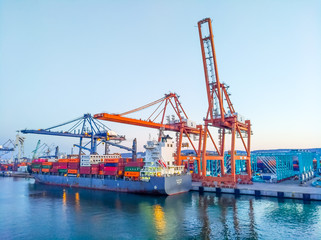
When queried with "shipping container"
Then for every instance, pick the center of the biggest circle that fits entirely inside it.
(111, 160)
(40, 160)
(54, 170)
(132, 169)
(101, 172)
(110, 168)
(85, 170)
(85, 165)
(46, 163)
(73, 165)
(110, 173)
(73, 171)
(46, 166)
(55, 164)
(132, 174)
(35, 169)
(62, 170)
(63, 160)
(111, 164)
(63, 165)
(74, 160)
(45, 170)
(135, 164)
(36, 165)
(101, 167)
(52, 160)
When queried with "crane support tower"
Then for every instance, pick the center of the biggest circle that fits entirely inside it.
(221, 115)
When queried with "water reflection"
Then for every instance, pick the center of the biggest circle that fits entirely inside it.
(236, 217)
(185, 216)
(77, 201)
(64, 198)
(252, 228)
(159, 219)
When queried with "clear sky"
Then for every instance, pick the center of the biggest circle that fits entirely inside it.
(61, 59)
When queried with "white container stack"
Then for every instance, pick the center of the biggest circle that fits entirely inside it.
(85, 161)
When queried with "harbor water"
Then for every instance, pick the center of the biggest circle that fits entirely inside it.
(34, 211)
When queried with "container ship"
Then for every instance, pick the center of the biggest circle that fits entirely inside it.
(156, 174)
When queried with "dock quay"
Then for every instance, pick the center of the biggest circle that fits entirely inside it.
(287, 189)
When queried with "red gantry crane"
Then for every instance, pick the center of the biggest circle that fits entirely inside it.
(218, 116)
(182, 125)
(221, 116)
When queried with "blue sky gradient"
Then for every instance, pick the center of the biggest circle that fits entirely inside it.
(61, 59)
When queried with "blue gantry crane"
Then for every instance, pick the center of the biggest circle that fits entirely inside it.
(8, 146)
(84, 127)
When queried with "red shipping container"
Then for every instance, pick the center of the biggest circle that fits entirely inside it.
(121, 164)
(94, 170)
(110, 168)
(54, 164)
(85, 170)
(54, 170)
(135, 164)
(110, 173)
(101, 166)
(74, 160)
(73, 165)
(63, 165)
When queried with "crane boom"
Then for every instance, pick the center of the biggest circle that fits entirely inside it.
(143, 123)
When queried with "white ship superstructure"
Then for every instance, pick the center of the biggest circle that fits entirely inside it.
(159, 159)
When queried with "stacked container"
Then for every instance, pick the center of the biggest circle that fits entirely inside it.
(132, 169)
(55, 167)
(73, 166)
(113, 167)
(85, 170)
(85, 161)
(94, 169)
(63, 166)
(35, 166)
(46, 166)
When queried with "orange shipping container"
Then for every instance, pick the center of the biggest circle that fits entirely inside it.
(75, 160)
(101, 172)
(132, 174)
(74, 171)
(45, 170)
(111, 160)
(63, 160)
(47, 163)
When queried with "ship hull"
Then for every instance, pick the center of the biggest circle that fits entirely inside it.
(156, 186)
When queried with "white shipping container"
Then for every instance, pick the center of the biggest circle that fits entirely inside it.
(85, 164)
(85, 157)
(52, 160)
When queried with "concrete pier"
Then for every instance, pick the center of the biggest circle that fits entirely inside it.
(280, 190)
